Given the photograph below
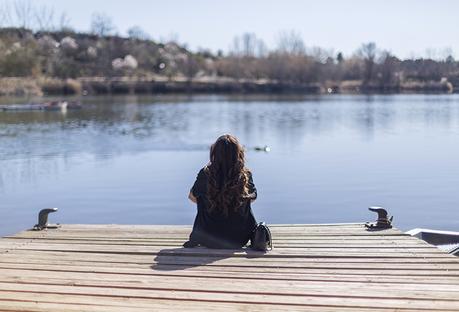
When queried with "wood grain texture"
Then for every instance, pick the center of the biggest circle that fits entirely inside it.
(334, 267)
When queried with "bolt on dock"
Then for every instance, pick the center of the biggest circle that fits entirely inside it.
(334, 267)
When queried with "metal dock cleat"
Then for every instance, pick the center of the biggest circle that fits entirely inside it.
(43, 220)
(383, 221)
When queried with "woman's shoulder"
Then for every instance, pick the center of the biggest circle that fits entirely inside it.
(203, 172)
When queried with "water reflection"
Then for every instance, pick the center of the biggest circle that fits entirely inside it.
(110, 125)
(362, 149)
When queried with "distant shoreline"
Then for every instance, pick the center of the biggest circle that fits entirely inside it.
(64, 62)
(207, 85)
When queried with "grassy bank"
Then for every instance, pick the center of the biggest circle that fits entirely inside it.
(163, 85)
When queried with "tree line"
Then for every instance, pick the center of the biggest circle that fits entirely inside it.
(36, 42)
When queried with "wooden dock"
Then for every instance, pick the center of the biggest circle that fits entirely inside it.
(337, 267)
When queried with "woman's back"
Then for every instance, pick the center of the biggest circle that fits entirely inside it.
(214, 228)
(223, 191)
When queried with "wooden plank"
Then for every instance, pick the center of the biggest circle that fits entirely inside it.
(121, 257)
(281, 232)
(289, 253)
(303, 271)
(146, 269)
(127, 230)
(318, 289)
(228, 283)
(61, 302)
(304, 300)
(194, 272)
(84, 260)
(154, 248)
(30, 301)
(390, 246)
(276, 240)
(154, 235)
(313, 268)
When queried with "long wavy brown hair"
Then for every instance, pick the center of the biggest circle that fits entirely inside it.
(228, 177)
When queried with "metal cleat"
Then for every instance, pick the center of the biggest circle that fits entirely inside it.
(43, 220)
(383, 222)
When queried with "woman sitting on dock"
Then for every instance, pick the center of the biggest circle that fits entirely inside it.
(223, 192)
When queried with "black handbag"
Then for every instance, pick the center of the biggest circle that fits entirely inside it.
(261, 238)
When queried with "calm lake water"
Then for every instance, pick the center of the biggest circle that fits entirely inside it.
(133, 159)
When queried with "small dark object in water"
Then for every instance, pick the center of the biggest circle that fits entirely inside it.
(265, 148)
(43, 219)
(383, 222)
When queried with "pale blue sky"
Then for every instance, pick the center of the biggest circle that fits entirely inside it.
(405, 27)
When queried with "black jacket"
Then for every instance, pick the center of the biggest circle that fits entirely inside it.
(214, 229)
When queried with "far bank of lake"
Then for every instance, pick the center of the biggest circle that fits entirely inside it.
(209, 85)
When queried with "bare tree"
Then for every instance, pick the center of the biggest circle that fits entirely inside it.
(189, 66)
(244, 45)
(136, 32)
(170, 38)
(64, 22)
(44, 17)
(262, 49)
(248, 45)
(431, 53)
(368, 53)
(235, 48)
(5, 14)
(24, 13)
(445, 53)
(291, 42)
(102, 25)
(387, 69)
(320, 55)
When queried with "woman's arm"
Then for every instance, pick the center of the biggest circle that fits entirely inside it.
(192, 198)
(252, 197)
(198, 187)
(252, 189)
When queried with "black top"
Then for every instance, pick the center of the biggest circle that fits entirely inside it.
(214, 229)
